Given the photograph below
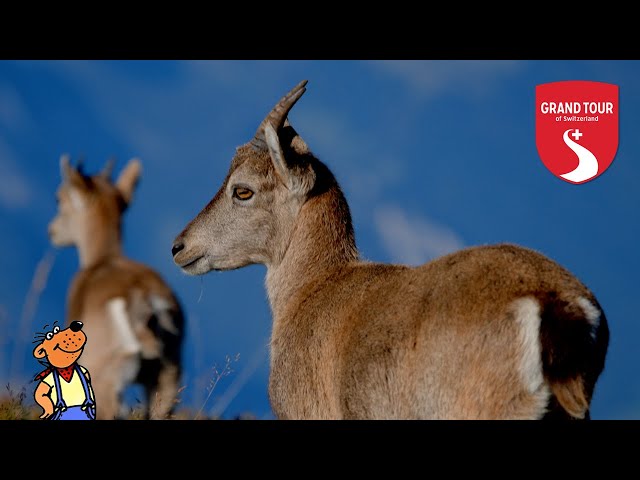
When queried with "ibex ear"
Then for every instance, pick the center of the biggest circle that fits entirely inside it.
(298, 179)
(277, 155)
(297, 143)
(128, 179)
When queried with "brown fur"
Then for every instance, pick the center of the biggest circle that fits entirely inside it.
(149, 352)
(489, 332)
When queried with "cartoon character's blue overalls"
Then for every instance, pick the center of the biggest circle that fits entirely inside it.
(86, 411)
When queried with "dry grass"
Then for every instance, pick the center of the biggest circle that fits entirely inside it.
(16, 405)
(30, 307)
(218, 374)
(21, 405)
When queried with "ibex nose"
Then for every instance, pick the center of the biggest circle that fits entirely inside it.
(75, 326)
(177, 247)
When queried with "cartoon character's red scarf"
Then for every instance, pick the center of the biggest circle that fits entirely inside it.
(66, 372)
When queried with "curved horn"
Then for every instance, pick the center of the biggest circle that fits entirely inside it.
(278, 115)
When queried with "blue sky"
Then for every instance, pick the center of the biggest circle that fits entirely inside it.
(433, 156)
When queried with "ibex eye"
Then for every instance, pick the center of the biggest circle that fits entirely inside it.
(242, 193)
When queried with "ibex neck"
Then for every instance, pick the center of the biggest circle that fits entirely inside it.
(99, 242)
(321, 242)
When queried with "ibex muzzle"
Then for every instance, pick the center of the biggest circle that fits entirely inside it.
(490, 332)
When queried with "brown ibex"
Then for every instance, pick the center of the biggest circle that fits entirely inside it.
(133, 321)
(489, 332)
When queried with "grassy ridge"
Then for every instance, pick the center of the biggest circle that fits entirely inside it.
(21, 406)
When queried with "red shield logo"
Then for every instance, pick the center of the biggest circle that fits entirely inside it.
(577, 128)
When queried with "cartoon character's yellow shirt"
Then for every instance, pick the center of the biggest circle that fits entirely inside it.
(72, 392)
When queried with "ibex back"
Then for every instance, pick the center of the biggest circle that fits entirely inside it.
(490, 332)
(132, 318)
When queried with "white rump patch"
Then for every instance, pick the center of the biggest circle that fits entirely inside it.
(161, 307)
(117, 309)
(527, 316)
(591, 313)
(159, 303)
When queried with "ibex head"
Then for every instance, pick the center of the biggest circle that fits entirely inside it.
(251, 217)
(84, 200)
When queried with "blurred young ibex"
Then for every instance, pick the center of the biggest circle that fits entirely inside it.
(133, 321)
(489, 332)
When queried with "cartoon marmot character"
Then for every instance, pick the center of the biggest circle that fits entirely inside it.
(64, 390)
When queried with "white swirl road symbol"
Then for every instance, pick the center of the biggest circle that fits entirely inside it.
(587, 162)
